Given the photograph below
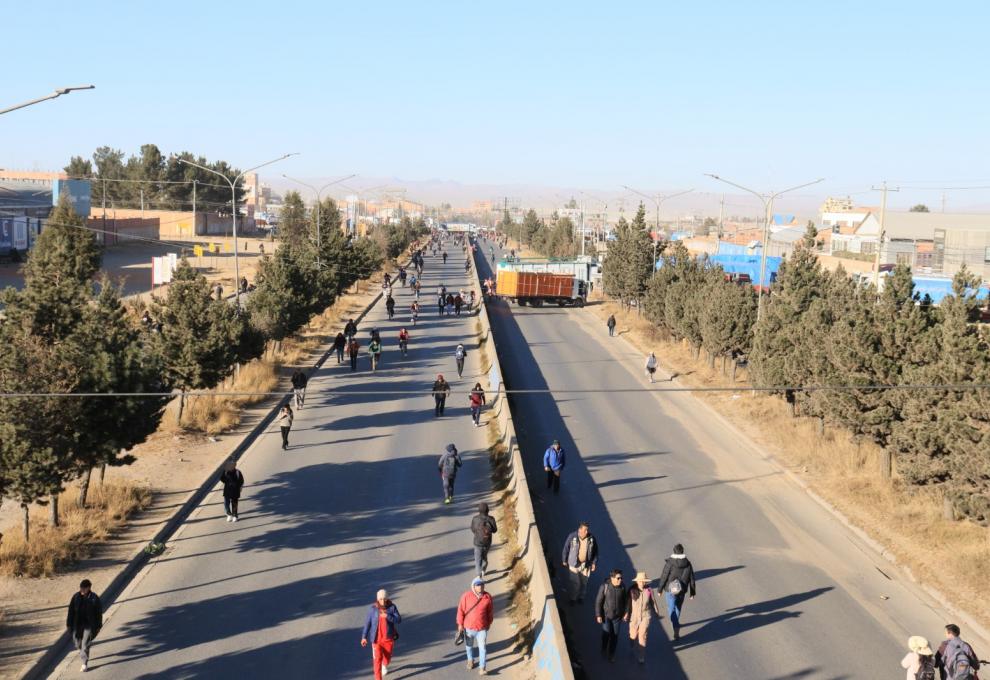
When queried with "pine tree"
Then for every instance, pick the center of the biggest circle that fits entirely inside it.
(294, 224)
(781, 341)
(673, 261)
(282, 302)
(728, 312)
(200, 336)
(639, 256)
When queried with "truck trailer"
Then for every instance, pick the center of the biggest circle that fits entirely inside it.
(537, 288)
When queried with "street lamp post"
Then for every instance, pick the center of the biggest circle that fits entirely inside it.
(233, 209)
(319, 201)
(767, 200)
(57, 93)
(658, 201)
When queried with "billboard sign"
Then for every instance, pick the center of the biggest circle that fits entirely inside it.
(78, 191)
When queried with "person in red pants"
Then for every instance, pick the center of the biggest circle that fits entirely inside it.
(380, 629)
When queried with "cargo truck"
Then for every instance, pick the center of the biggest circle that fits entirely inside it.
(537, 288)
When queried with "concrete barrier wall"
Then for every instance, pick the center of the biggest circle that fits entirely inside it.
(549, 649)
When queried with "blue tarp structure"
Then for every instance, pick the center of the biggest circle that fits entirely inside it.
(680, 235)
(748, 264)
(726, 248)
(938, 288)
(783, 220)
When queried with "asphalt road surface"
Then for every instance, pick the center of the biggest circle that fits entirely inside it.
(784, 591)
(354, 505)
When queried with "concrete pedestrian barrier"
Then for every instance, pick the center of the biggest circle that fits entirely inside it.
(549, 650)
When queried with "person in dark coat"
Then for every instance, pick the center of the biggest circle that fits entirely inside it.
(483, 526)
(611, 324)
(676, 581)
(448, 465)
(611, 608)
(339, 344)
(350, 328)
(84, 620)
(441, 388)
(232, 481)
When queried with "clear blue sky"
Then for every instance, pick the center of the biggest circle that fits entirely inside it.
(599, 94)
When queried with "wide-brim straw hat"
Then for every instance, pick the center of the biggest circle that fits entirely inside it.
(919, 645)
(641, 577)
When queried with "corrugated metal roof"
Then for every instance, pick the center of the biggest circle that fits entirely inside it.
(915, 226)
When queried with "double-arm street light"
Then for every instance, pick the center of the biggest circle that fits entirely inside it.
(658, 201)
(233, 208)
(767, 200)
(319, 200)
(57, 93)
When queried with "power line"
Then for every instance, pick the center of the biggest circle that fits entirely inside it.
(957, 387)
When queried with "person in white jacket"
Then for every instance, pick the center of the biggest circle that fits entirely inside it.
(651, 365)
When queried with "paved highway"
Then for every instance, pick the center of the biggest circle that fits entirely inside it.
(354, 505)
(784, 591)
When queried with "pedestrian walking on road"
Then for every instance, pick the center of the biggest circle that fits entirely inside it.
(339, 345)
(483, 526)
(232, 481)
(581, 558)
(553, 464)
(449, 308)
(676, 581)
(390, 306)
(414, 310)
(416, 289)
(955, 658)
(350, 328)
(448, 465)
(441, 303)
(651, 365)
(285, 424)
(353, 349)
(611, 325)
(299, 381)
(375, 353)
(441, 388)
(444, 256)
(642, 606)
(404, 341)
(477, 400)
(919, 662)
(458, 303)
(475, 613)
(611, 605)
(459, 353)
(84, 620)
(380, 630)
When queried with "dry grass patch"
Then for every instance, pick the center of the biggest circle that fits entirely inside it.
(952, 556)
(52, 549)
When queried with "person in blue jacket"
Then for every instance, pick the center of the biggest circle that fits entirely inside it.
(380, 631)
(553, 463)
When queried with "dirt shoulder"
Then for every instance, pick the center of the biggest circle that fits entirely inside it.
(950, 557)
(171, 465)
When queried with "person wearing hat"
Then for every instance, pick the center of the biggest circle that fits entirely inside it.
(483, 526)
(441, 388)
(475, 613)
(642, 606)
(380, 630)
(553, 464)
(919, 663)
(448, 464)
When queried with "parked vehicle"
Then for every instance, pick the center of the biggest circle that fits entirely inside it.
(532, 288)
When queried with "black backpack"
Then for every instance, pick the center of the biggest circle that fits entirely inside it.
(926, 671)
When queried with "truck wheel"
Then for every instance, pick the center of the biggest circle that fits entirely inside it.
(579, 302)
(537, 303)
(521, 302)
(560, 303)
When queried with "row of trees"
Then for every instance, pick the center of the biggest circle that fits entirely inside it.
(67, 340)
(555, 237)
(163, 183)
(888, 351)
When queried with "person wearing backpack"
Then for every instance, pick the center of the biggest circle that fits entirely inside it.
(580, 556)
(482, 527)
(919, 663)
(642, 606)
(955, 658)
(459, 353)
(676, 581)
(448, 464)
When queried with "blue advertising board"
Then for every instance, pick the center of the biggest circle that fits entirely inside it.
(78, 191)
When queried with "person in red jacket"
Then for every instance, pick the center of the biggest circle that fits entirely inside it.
(475, 613)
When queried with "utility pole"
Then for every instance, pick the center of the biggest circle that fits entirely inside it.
(943, 202)
(883, 233)
(104, 235)
(195, 225)
(142, 204)
(721, 215)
